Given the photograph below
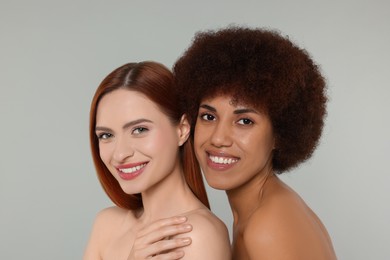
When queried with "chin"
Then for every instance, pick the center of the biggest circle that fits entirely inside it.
(217, 184)
(131, 190)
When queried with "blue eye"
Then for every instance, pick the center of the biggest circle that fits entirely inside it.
(245, 121)
(139, 130)
(207, 117)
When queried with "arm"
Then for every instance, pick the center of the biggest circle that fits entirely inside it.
(92, 250)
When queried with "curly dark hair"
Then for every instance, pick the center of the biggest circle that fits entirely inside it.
(261, 68)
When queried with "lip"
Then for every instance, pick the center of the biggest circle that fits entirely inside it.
(220, 166)
(134, 174)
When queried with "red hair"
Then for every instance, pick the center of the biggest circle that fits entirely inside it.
(156, 82)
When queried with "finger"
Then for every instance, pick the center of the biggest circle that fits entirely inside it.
(162, 223)
(174, 255)
(167, 247)
(164, 233)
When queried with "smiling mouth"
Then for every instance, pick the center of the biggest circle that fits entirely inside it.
(132, 169)
(222, 160)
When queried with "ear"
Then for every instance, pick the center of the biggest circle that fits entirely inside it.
(184, 130)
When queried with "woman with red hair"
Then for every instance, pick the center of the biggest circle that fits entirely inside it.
(146, 165)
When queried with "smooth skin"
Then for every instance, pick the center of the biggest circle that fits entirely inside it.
(234, 145)
(134, 133)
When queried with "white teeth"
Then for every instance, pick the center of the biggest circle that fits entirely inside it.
(222, 160)
(132, 169)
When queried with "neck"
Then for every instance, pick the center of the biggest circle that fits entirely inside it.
(169, 197)
(245, 199)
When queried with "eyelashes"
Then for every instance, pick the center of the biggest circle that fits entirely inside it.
(139, 130)
(136, 131)
(104, 136)
(244, 121)
(207, 117)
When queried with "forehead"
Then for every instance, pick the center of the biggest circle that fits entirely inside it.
(229, 100)
(238, 93)
(122, 103)
(120, 97)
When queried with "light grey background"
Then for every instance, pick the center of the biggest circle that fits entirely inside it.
(53, 54)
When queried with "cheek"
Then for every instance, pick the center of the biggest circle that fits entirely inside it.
(257, 144)
(200, 134)
(104, 152)
(197, 141)
(163, 141)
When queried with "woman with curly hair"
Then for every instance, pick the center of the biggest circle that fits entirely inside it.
(257, 104)
(146, 165)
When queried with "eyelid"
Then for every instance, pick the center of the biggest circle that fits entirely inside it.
(101, 134)
(245, 118)
(144, 128)
(206, 113)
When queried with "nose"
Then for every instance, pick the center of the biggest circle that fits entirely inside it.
(123, 150)
(221, 135)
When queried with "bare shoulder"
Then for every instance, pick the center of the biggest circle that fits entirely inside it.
(265, 234)
(284, 227)
(111, 215)
(210, 237)
(104, 225)
(107, 219)
(204, 217)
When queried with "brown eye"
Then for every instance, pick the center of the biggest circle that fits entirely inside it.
(207, 117)
(245, 121)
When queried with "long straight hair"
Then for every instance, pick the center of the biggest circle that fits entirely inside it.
(156, 82)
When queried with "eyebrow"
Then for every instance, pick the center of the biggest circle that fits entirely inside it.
(237, 111)
(125, 126)
(208, 107)
(245, 110)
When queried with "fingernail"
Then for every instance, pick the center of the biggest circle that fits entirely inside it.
(187, 226)
(186, 240)
(182, 218)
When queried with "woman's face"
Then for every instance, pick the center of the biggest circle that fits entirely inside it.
(233, 143)
(137, 142)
